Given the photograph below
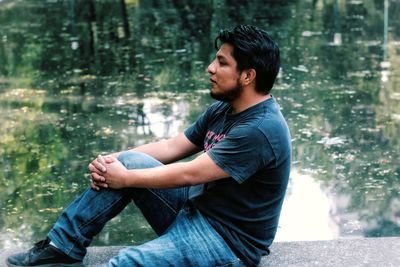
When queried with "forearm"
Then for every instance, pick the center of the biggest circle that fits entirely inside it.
(198, 171)
(166, 176)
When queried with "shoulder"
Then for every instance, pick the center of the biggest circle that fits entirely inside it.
(275, 129)
(218, 107)
(273, 122)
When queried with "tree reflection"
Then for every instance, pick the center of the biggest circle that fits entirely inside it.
(81, 78)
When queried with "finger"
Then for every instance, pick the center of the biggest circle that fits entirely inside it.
(99, 164)
(101, 185)
(92, 168)
(100, 159)
(99, 181)
(109, 160)
(97, 178)
(94, 186)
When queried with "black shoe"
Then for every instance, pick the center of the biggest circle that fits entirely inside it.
(42, 254)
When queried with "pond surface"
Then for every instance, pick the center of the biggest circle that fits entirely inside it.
(79, 78)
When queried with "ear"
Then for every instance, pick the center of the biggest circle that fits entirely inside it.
(248, 76)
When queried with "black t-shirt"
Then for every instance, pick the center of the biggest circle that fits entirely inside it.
(254, 148)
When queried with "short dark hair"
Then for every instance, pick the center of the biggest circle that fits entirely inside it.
(253, 48)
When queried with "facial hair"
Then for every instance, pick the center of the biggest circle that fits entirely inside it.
(228, 96)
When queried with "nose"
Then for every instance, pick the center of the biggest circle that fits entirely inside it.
(211, 67)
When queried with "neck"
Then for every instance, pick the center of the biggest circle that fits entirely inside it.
(246, 101)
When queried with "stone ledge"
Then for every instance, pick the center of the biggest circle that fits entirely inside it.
(340, 252)
(374, 252)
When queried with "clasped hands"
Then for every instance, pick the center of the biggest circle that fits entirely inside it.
(106, 172)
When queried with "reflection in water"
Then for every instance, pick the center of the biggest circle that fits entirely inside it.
(166, 119)
(385, 64)
(79, 78)
(307, 211)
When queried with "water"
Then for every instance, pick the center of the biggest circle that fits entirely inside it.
(79, 78)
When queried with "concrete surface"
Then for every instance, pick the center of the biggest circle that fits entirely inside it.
(374, 252)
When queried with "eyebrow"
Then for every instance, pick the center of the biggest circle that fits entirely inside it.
(221, 57)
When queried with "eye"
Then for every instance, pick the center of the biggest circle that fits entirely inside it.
(222, 62)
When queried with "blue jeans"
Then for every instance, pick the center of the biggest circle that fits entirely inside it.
(185, 236)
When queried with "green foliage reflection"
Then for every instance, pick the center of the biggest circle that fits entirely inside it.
(79, 78)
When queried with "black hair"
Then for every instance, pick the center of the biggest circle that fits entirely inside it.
(253, 48)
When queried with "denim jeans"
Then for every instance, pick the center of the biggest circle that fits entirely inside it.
(186, 238)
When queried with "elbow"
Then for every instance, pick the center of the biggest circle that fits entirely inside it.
(191, 177)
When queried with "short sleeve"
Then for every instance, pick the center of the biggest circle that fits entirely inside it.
(243, 152)
(197, 131)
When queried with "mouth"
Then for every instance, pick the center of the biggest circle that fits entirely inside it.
(213, 81)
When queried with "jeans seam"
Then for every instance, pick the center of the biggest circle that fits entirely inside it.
(78, 237)
(97, 215)
(58, 243)
(167, 204)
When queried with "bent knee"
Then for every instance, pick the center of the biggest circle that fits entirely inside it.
(137, 160)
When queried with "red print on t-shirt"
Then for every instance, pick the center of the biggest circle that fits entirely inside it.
(211, 139)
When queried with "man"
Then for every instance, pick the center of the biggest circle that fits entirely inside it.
(219, 209)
